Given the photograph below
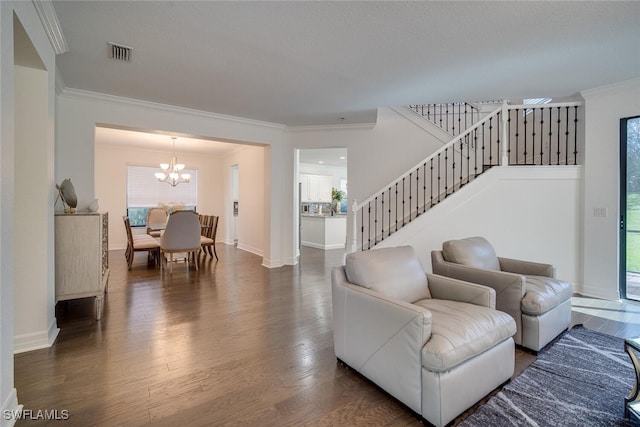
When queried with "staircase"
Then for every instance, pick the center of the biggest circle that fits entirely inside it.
(453, 118)
(511, 135)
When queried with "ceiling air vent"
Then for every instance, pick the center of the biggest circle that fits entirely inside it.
(119, 52)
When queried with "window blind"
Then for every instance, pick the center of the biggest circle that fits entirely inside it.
(144, 190)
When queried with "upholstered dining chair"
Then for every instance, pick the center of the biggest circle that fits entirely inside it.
(140, 243)
(208, 238)
(181, 235)
(156, 221)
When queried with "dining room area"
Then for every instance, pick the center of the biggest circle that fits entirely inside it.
(173, 198)
(179, 236)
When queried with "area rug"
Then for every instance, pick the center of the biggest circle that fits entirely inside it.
(581, 380)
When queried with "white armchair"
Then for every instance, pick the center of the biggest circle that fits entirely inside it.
(434, 343)
(529, 291)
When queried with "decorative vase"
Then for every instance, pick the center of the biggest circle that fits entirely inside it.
(93, 206)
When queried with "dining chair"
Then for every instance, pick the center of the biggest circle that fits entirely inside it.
(208, 238)
(140, 243)
(181, 235)
(156, 221)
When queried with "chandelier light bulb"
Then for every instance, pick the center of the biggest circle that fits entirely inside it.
(171, 171)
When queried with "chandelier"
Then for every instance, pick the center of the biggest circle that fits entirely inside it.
(172, 172)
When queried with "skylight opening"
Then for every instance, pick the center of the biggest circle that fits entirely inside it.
(534, 101)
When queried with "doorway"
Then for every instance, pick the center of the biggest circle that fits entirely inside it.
(321, 183)
(234, 198)
(630, 208)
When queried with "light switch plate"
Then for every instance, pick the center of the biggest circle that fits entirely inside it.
(600, 212)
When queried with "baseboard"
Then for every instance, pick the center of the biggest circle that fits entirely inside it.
(10, 409)
(595, 291)
(251, 249)
(323, 247)
(272, 263)
(36, 340)
(118, 247)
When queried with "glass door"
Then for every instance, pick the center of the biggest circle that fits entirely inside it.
(630, 208)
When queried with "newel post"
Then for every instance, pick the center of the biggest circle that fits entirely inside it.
(354, 231)
(505, 133)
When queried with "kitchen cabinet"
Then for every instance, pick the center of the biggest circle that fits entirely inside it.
(316, 188)
(82, 257)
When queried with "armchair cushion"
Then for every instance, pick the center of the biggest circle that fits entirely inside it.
(543, 294)
(472, 251)
(406, 281)
(460, 331)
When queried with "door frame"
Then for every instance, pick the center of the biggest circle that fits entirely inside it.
(622, 284)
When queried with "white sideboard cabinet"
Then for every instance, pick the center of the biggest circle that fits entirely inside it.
(82, 257)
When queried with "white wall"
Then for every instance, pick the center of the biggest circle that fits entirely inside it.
(376, 154)
(78, 112)
(28, 17)
(34, 284)
(604, 107)
(251, 198)
(525, 212)
(111, 183)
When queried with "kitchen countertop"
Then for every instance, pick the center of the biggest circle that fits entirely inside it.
(324, 216)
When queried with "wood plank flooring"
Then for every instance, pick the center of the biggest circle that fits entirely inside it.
(232, 344)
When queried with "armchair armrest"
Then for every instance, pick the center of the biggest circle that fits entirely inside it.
(446, 288)
(510, 287)
(380, 337)
(527, 267)
(501, 281)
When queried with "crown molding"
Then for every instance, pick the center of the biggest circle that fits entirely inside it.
(312, 128)
(614, 87)
(51, 25)
(102, 97)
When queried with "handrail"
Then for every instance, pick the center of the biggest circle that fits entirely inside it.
(447, 115)
(440, 150)
(544, 134)
(555, 104)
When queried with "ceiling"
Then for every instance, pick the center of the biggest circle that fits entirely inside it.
(324, 156)
(315, 62)
(161, 142)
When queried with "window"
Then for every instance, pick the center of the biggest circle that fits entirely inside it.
(344, 205)
(534, 101)
(145, 191)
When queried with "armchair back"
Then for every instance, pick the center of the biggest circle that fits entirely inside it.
(472, 252)
(395, 272)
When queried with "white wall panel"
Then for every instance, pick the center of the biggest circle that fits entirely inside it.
(530, 213)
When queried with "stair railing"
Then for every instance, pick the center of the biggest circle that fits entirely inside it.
(454, 118)
(534, 135)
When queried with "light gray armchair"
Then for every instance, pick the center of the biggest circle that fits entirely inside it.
(434, 343)
(528, 291)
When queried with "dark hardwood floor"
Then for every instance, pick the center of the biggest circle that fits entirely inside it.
(232, 344)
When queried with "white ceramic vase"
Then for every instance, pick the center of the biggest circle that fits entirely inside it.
(93, 206)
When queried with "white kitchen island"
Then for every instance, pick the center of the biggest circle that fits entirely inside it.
(324, 231)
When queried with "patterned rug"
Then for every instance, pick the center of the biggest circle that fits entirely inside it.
(581, 380)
